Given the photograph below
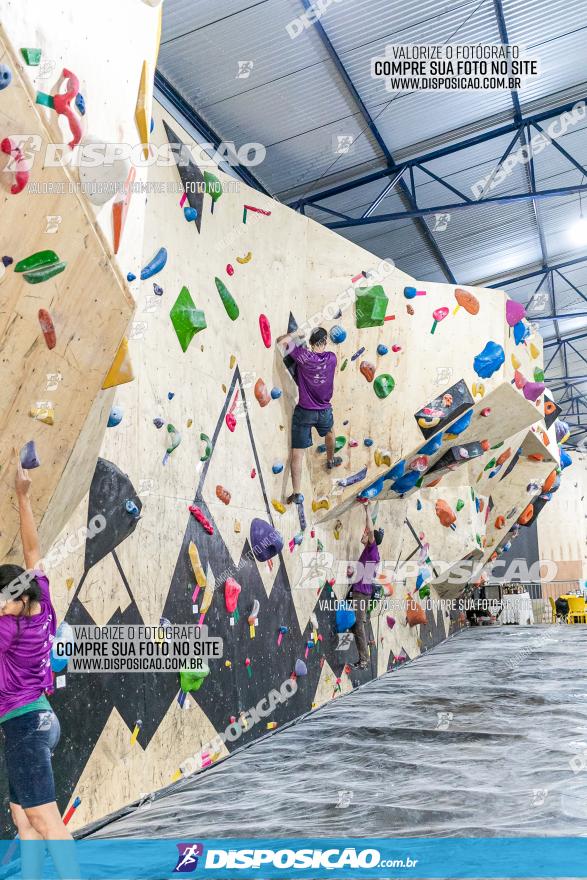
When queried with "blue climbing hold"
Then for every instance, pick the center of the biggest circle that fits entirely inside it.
(337, 334)
(132, 509)
(276, 393)
(115, 417)
(405, 483)
(80, 103)
(521, 331)
(190, 214)
(345, 618)
(368, 442)
(158, 291)
(277, 467)
(432, 446)
(300, 668)
(489, 360)
(461, 424)
(5, 76)
(170, 395)
(373, 490)
(566, 459)
(131, 276)
(152, 126)
(382, 349)
(410, 292)
(396, 472)
(418, 504)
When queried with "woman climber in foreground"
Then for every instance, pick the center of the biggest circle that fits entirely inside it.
(314, 377)
(31, 729)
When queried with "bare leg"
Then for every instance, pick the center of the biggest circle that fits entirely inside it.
(31, 853)
(297, 458)
(46, 821)
(329, 439)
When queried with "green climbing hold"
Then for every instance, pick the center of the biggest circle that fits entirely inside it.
(212, 185)
(497, 445)
(370, 307)
(478, 537)
(424, 591)
(193, 679)
(383, 385)
(460, 504)
(227, 300)
(489, 465)
(40, 266)
(344, 363)
(32, 57)
(187, 320)
(472, 494)
(339, 443)
(538, 374)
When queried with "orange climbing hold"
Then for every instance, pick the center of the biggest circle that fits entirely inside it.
(47, 328)
(223, 494)
(504, 456)
(465, 299)
(120, 209)
(368, 370)
(415, 614)
(526, 515)
(549, 481)
(499, 522)
(445, 513)
(261, 393)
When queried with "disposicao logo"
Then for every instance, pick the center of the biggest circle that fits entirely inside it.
(188, 857)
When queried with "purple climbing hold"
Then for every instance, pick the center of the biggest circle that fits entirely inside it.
(514, 312)
(266, 541)
(355, 478)
(300, 668)
(158, 422)
(28, 456)
(390, 621)
(7, 261)
(158, 291)
(533, 390)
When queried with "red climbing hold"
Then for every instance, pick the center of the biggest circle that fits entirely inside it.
(265, 329)
(230, 421)
(47, 328)
(21, 165)
(231, 593)
(205, 523)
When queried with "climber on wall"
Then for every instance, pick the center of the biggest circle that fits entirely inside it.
(362, 590)
(315, 368)
(31, 729)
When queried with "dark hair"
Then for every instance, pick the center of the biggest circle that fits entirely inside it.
(9, 574)
(378, 536)
(318, 336)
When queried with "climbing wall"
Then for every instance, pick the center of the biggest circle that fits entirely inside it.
(64, 306)
(431, 383)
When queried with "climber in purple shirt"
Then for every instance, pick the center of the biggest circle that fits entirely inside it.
(363, 589)
(315, 368)
(30, 727)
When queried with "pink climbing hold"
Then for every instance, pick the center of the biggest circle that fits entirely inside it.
(230, 269)
(519, 379)
(21, 165)
(231, 593)
(438, 315)
(230, 421)
(396, 348)
(485, 412)
(253, 473)
(514, 312)
(265, 329)
(199, 516)
(390, 621)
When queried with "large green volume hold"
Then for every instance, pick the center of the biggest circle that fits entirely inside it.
(370, 307)
(193, 679)
(227, 300)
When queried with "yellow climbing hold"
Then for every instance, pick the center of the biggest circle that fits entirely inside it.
(69, 583)
(237, 526)
(121, 370)
(143, 109)
(223, 388)
(515, 363)
(382, 456)
(207, 598)
(320, 504)
(45, 414)
(176, 776)
(197, 565)
(245, 259)
(279, 507)
(232, 361)
(337, 529)
(534, 352)
(189, 423)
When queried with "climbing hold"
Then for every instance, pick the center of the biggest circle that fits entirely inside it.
(368, 442)
(320, 504)
(230, 420)
(338, 444)
(383, 385)
(247, 208)
(499, 522)
(228, 301)
(277, 467)
(337, 334)
(40, 266)
(158, 422)
(229, 270)
(504, 457)
(489, 360)
(47, 328)
(190, 214)
(193, 679)
(459, 426)
(276, 393)
(278, 506)
(43, 412)
(411, 292)
(534, 351)
(355, 478)
(519, 379)
(420, 464)
(213, 187)
(28, 456)
(130, 276)
(283, 630)
(174, 439)
(444, 513)
(5, 76)
(538, 374)
(266, 541)
(486, 411)
(80, 103)
(61, 104)
(410, 309)
(514, 312)
(460, 504)
(187, 320)
(142, 116)
(223, 494)
(231, 593)
(343, 365)
(415, 614)
(390, 621)
(265, 329)
(245, 259)
(170, 395)
(438, 315)
(357, 354)
(253, 473)
(120, 208)
(526, 515)
(465, 299)
(155, 265)
(521, 332)
(370, 307)
(132, 509)
(382, 457)
(300, 668)
(533, 390)
(261, 393)
(254, 613)
(368, 370)
(237, 526)
(121, 370)
(32, 56)
(115, 417)
(382, 349)
(371, 491)
(199, 516)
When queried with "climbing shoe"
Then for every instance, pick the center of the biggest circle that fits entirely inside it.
(334, 462)
(360, 664)
(295, 498)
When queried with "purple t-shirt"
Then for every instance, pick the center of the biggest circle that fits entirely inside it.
(315, 376)
(368, 559)
(25, 649)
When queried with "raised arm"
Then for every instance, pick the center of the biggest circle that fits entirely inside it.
(28, 529)
(289, 340)
(369, 524)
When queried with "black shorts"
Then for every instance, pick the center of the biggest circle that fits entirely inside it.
(29, 741)
(304, 420)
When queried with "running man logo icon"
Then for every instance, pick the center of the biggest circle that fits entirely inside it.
(188, 857)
